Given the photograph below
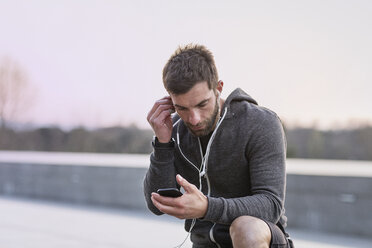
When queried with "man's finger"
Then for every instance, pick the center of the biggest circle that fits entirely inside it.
(160, 114)
(189, 188)
(169, 201)
(164, 101)
(165, 205)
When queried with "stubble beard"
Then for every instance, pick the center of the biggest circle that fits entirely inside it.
(210, 123)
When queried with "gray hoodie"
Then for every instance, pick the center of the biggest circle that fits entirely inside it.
(245, 173)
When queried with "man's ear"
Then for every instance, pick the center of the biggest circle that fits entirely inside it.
(219, 86)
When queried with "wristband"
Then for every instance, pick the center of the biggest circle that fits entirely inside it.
(157, 143)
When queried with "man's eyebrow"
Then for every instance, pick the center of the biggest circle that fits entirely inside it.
(179, 106)
(203, 102)
(200, 103)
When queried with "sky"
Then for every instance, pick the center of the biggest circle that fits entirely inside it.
(99, 63)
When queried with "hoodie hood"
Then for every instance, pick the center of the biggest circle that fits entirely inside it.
(237, 95)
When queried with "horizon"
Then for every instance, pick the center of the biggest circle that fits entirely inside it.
(347, 125)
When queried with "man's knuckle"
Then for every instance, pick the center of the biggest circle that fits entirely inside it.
(159, 102)
(179, 204)
(181, 212)
(152, 121)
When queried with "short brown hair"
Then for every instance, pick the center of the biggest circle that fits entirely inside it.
(188, 66)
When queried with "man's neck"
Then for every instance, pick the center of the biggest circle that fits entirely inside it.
(204, 141)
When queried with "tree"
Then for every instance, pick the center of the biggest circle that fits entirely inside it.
(15, 91)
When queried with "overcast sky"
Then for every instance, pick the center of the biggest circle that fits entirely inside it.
(99, 63)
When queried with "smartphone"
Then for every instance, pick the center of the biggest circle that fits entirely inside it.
(169, 192)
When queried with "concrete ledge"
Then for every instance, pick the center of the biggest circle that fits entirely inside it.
(321, 195)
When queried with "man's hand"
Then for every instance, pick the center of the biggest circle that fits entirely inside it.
(160, 119)
(192, 204)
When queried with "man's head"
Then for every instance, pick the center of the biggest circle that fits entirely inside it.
(188, 66)
(191, 79)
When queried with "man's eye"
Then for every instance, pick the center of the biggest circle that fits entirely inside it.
(203, 104)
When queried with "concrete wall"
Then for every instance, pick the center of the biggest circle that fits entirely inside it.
(105, 186)
(340, 204)
(330, 203)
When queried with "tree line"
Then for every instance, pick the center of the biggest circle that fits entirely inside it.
(349, 144)
(352, 144)
(103, 140)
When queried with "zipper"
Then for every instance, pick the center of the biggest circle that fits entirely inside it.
(211, 236)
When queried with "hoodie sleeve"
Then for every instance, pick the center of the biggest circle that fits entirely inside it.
(266, 154)
(161, 173)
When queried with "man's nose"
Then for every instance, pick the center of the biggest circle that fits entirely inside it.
(194, 117)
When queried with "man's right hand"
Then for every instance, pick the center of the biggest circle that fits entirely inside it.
(160, 119)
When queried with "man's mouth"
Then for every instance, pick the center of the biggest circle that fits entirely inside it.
(197, 128)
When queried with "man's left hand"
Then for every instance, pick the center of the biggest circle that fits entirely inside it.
(192, 204)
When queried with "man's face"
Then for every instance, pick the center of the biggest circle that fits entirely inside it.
(198, 108)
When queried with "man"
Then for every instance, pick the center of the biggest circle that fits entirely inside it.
(227, 155)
